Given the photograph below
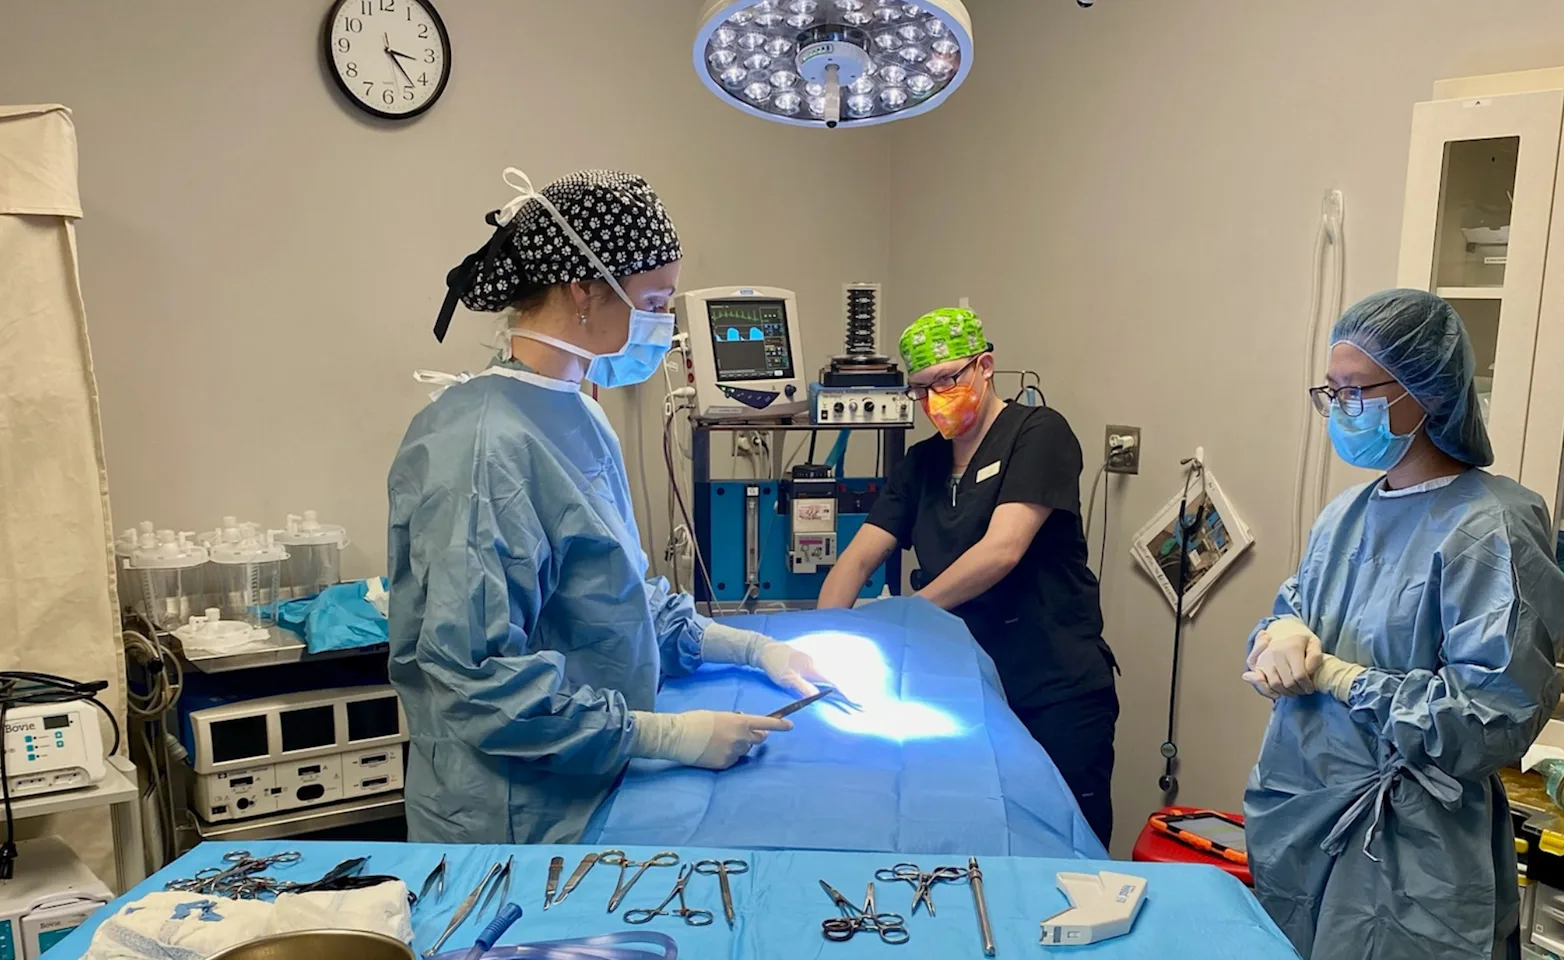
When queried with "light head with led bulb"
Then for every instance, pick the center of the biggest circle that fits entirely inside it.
(829, 63)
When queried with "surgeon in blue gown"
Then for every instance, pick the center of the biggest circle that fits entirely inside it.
(1410, 658)
(527, 642)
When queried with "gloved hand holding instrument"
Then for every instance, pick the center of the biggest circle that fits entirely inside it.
(701, 738)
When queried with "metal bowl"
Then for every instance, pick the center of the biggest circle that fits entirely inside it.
(320, 945)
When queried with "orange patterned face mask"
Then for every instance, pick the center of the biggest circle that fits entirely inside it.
(955, 411)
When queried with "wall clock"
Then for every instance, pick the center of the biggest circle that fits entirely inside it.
(392, 58)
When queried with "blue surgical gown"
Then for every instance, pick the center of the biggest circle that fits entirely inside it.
(523, 628)
(1378, 828)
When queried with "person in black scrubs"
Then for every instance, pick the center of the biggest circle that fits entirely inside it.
(992, 508)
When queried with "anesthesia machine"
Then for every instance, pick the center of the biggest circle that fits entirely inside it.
(772, 539)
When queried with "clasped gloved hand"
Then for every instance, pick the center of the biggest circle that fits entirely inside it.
(1284, 658)
(700, 738)
(1286, 661)
(790, 669)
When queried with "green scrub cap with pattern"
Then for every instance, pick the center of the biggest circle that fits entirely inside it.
(950, 333)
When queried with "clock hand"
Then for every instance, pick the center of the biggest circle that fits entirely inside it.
(404, 71)
(400, 54)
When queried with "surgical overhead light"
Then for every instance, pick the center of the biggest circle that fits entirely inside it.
(824, 62)
(858, 669)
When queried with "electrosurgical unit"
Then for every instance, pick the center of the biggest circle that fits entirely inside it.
(51, 747)
(294, 750)
(745, 360)
(52, 894)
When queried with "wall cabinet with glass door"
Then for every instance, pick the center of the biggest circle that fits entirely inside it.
(1483, 227)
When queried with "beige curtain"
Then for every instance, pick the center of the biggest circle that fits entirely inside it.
(57, 589)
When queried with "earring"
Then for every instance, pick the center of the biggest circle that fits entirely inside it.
(581, 318)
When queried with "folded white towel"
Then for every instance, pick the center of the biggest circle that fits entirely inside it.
(189, 926)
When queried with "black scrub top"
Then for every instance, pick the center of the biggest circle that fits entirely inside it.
(1042, 623)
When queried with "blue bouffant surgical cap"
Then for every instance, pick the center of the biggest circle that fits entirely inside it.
(1420, 340)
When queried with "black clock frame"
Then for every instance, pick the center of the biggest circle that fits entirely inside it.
(342, 85)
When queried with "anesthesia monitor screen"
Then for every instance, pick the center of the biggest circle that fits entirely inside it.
(749, 339)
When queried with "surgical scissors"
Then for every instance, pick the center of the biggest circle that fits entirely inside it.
(692, 918)
(722, 868)
(922, 883)
(617, 858)
(240, 879)
(891, 927)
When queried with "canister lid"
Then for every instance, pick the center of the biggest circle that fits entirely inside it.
(307, 530)
(166, 550)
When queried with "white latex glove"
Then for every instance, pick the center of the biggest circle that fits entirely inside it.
(1262, 640)
(1335, 675)
(1285, 666)
(700, 738)
(788, 668)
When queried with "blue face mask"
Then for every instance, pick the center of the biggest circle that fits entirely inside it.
(1366, 440)
(651, 334)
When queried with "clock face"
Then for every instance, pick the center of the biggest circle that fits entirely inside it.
(391, 57)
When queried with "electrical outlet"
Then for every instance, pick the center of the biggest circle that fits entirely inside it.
(1121, 449)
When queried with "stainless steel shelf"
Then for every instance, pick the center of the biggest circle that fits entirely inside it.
(117, 786)
(287, 647)
(384, 806)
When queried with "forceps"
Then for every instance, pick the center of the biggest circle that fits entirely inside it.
(502, 878)
(463, 910)
(922, 883)
(891, 927)
(722, 868)
(692, 918)
(437, 874)
(239, 880)
(617, 858)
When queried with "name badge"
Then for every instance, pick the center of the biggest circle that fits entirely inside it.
(992, 470)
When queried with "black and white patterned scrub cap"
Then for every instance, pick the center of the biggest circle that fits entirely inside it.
(617, 215)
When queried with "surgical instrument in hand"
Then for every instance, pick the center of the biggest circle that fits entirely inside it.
(798, 705)
(438, 873)
(617, 858)
(576, 877)
(556, 866)
(890, 927)
(463, 910)
(692, 918)
(722, 868)
(502, 877)
(922, 883)
(975, 878)
(508, 915)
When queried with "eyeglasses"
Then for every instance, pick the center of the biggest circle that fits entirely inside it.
(1350, 399)
(943, 384)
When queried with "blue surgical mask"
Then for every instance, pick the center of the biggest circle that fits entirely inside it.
(1366, 440)
(650, 336)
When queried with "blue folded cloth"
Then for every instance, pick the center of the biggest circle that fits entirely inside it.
(340, 618)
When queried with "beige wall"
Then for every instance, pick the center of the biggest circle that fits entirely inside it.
(1130, 195)
(262, 265)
